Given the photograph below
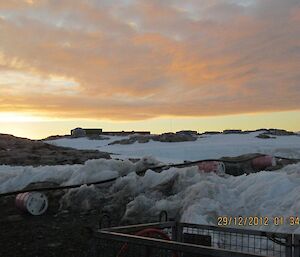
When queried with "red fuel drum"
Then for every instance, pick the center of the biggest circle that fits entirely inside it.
(212, 166)
(263, 162)
(35, 203)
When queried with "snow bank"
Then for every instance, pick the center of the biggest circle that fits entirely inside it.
(16, 178)
(201, 198)
(186, 193)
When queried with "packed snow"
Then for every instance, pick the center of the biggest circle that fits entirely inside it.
(205, 147)
(186, 194)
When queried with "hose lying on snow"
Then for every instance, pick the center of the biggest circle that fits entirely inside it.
(57, 187)
(141, 172)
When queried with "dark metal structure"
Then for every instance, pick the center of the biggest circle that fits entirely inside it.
(191, 240)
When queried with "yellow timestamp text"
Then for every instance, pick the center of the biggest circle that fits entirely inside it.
(257, 221)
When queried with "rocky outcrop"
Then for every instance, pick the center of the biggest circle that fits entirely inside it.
(234, 131)
(211, 133)
(22, 151)
(280, 132)
(166, 137)
(265, 136)
(188, 132)
(132, 140)
(272, 132)
(171, 137)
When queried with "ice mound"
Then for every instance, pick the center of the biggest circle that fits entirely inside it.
(17, 177)
(185, 193)
(195, 197)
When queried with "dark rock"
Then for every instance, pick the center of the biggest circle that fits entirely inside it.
(132, 140)
(264, 136)
(143, 140)
(166, 137)
(211, 133)
(188, 132)
(171, 137)
(22, 151)
(123, 142)
(280, 132)
(233, 131)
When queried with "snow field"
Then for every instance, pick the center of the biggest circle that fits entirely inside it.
(205, 147)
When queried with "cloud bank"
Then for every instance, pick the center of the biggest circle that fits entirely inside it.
(141, 59)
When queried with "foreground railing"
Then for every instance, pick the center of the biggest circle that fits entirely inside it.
(190, 240)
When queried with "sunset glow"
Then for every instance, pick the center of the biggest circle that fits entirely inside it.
(204, 65)
(11, 117)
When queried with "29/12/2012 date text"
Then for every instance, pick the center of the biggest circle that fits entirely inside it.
(257, 221)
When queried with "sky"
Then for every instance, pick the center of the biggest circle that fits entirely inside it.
(148, 65)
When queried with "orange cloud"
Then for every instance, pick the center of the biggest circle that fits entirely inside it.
(178, 59)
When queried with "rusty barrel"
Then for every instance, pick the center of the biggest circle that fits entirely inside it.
(263, 162)
(212, 166)
(35, 203)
